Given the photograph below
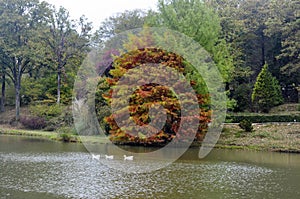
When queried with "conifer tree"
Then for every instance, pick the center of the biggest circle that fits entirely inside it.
(267, 91)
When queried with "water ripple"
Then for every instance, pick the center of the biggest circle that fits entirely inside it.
(76, 175)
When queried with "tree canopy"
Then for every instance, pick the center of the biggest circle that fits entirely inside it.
(42, 47)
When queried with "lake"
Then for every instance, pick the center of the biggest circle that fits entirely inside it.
(36, 168)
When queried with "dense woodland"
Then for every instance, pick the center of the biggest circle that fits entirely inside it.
(254, 43)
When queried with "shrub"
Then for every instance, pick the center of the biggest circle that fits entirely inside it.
(33, 122)
(56, 116)
(67, 130)
(46, 111)
(65, 137)
(66, 117)
(66, 134)
(246, 125)
(242, 95)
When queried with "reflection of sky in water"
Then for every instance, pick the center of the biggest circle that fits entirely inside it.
(76, 175)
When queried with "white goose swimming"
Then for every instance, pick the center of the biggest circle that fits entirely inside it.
(128, 157)
(109, 157)
(97, 157)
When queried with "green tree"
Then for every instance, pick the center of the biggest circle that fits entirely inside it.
(260, 31)
(244, 25)
(284, 21)
(267, 91)
(20, 22)
(3, 63)
(120, 22)
(200, 22)
(42, 85)
(62, 43)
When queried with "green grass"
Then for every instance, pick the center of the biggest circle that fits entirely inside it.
(34, 133)
(65, 137)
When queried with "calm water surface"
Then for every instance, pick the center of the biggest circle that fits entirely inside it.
(35, 169)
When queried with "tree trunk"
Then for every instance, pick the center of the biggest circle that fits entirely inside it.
(263, 59)
(17, 88)
(2, 109)
(17, 83)
(58, 84)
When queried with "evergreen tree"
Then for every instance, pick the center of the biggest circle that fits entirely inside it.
(267, 91)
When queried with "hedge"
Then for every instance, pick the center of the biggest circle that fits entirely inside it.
(259, 118)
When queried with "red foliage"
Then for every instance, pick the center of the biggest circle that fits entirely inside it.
(149, 94)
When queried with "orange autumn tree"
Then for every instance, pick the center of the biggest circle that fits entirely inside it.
(148, 94)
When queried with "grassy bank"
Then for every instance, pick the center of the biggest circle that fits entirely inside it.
(64, 137)
(280, 137)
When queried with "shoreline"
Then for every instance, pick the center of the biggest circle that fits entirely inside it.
(273, 137)
(52, 136)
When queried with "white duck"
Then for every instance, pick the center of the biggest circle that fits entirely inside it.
(96, 157)
(109, 157)
(128, 157)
